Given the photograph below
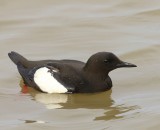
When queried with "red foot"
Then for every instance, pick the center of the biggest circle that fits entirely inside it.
(24, 89)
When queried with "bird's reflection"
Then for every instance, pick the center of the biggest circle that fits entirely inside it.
(101, 100)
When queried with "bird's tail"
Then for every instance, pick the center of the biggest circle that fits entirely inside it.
(26, 75)
(17, 58)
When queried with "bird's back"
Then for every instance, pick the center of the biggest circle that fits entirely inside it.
(19, 59)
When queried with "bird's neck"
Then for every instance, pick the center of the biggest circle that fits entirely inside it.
(98, 74)
(108, 82)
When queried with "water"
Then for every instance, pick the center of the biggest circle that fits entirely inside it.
(75, 30)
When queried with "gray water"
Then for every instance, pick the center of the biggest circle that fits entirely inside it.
(75, 30)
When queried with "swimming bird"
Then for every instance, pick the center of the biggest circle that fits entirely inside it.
(69, 76)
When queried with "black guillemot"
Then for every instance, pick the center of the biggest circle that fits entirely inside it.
(69, 76)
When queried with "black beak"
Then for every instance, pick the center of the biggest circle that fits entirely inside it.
(125, 64)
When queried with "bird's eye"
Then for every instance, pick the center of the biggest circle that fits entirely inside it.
(106, 61)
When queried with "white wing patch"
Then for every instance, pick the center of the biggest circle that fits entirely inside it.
(46, 82)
